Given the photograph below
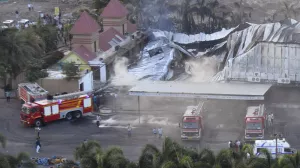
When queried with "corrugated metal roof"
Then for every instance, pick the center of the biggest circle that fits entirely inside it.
(240, 91)
(267, 61)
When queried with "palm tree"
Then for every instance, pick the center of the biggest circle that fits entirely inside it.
(114, 158)
(87, 153)
(172, 156)
(289, 161)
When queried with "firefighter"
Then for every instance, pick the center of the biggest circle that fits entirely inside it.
(38, 145)
(95, 100)
(98, 120)
(37, 129)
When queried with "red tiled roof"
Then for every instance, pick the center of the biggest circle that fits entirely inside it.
(131, 28)
(84, 53)
(85, 25)
(114, 9)
(107, 36)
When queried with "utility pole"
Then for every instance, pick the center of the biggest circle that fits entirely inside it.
(139, 109)
(276, 146)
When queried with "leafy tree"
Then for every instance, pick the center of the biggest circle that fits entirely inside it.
(21, 160)
(70, 69)
(18, 48)
(35, 72)
(48, 33)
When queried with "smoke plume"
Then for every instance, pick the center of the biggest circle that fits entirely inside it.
(121, 76)
(201, 70)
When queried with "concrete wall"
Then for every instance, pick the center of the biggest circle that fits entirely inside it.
(59, 85)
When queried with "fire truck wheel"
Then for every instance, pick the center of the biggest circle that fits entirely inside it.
(69, 116)
(77, 114)
(38, 123)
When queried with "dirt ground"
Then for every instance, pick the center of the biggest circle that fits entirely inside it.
(7, 9)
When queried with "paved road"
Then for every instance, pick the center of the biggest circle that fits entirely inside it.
(223, 122)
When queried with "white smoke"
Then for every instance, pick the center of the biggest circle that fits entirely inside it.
(201, 70)
(122, 77)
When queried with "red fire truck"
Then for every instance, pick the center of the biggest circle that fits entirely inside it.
(255, 122)
(31, 91)
(192, 123)
(68, 106)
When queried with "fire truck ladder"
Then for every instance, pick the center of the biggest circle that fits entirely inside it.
(71, 95)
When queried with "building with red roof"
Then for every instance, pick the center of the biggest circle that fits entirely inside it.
(115, 15)
(85, 32)
(110, 38)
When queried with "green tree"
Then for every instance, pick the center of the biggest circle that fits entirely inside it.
(18, 48)
(89, 154)
(8, 161)
(35, 71)
(48, 33)
(70, 69)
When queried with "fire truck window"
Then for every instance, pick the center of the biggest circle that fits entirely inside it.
(33, 110)
(287, 150)
(55, 109)
(25, 110)
(190, 125)
(47, 111)
(87, 102)
(253, 126)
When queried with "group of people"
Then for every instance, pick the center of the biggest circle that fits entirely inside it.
(158, 131)
(235, 146)
(30, 7)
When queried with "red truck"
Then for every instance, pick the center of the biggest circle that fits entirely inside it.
(192, 123)
(29, 92)
(68, 106)
(255, 122)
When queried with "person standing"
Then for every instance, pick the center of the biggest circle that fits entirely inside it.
(160, 132)
(38, 132)
(129, 129)
(7, 94)
(230, 144)
(38, 145)
(272, 118)
(17, 14)
(238, 144)
(95, 102)
(154, 131)
(29, 7)
(98, 120)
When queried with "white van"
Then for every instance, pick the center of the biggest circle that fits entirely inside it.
(283, 147)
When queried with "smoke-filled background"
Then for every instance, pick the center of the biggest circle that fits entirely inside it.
(121, 76)
(201, 70)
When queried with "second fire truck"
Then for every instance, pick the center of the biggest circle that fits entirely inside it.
(255, 122)
(192, 123)
(68, 106)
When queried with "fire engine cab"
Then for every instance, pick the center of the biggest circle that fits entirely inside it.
(192, 124)
(255, 122)
(68, 106)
